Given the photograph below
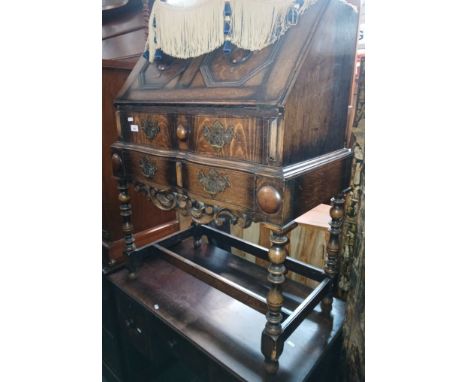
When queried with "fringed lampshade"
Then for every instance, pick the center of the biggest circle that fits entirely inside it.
(190, 28)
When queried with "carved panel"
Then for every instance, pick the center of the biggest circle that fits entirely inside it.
(200, 212)
(158, 74)
(235, 69)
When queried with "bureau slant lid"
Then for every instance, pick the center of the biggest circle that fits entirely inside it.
(261, 78)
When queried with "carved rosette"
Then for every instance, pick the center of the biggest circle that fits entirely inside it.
(200, 212)
(217, 135)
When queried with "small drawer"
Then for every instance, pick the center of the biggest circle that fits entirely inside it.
(219, 184)
(147, 129)
(229, 137)
(134, 324)
(151, 169)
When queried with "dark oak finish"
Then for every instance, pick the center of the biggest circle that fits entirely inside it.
(207, 329)
(316, 108)
(210, 183)
(229, 137)
(112, 357)
(153, 129)
(333, 246)
(118, 60)
(292, 264)
(289, 131)
(191, 256)
(248, 136)
(116, 249)
(271, 346)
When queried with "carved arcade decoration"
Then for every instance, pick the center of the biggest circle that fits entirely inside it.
(200, 212)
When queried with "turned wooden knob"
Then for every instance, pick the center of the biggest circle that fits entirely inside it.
(182, 132)
(116, 164)
(269, 199)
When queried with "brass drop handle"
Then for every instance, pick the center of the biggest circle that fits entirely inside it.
(182, 132)
(148, 167)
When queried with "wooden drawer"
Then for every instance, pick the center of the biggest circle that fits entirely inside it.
(134, 324)
(148, 129)
(219, 184)
(183, 350)
(157, 171)
(207, 183)
(229, 137)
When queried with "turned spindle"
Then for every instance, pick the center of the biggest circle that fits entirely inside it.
(127, 227)
(125, 211)
(271, 346)
(333, 247)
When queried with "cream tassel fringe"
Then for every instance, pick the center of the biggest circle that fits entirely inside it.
(191, 28)
(186, 31)
(259, 23)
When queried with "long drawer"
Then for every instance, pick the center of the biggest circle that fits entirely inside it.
(205, 183)
(217, 136)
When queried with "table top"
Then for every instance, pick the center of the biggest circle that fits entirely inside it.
(226, 330)
(318, 217)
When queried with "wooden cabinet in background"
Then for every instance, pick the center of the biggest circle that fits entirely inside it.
(123, 40)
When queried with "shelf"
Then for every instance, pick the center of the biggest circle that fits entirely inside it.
(226, 330)
(238, 278)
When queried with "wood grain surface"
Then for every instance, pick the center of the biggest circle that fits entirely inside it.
(221, 329)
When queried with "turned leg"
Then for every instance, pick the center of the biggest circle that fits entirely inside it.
(272, 347)
(127, 227)
(197, 236)
(333, 247)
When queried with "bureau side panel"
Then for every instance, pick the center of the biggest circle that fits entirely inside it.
(311, 188)
(316, 109)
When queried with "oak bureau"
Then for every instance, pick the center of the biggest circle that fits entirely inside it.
(244, 137)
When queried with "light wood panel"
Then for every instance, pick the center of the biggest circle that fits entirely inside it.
(307, 242)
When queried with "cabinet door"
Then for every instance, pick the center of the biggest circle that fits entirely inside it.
(111, 349)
